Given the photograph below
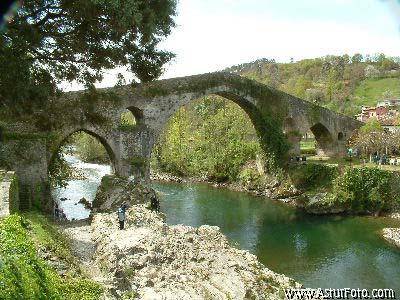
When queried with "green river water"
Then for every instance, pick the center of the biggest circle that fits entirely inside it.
(319, 252)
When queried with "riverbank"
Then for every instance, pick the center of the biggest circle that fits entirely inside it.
(151, 260)
(272, 190)
(320, 189)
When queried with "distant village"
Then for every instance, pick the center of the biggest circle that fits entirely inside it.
(386, 112)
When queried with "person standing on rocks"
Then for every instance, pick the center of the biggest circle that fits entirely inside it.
(122, 216)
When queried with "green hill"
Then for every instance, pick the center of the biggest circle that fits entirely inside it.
(341, 83)
(369, 90)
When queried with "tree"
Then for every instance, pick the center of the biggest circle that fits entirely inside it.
(52, 40)
(388, 64)
(302, 84)
(372, 138)
(388, 94)
(357, 58)
(315, 95)
(372, 125)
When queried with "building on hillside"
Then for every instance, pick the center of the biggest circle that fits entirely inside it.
(368, 112)
(386, 112)
(393, 103)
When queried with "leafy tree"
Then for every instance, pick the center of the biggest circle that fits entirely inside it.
(302, 84)
(357, 58)
(388, 64)
(52, 40)
(372, 138)
(388, 94)
(372, 125)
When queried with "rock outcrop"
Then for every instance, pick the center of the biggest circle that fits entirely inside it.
(151, 260)
(320, 204)
(113, 191)
(392, 235)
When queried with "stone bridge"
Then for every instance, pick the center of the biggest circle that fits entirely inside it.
(30, 148)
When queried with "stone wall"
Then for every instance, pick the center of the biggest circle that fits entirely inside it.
(9, 199)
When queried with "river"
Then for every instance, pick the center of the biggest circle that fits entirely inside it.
(325, 252)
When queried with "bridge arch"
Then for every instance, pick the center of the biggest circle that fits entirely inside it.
(323, 138)
(137, 114)
(64, 137)
(245, 103)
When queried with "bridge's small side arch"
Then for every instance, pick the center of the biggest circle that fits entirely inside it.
(340, 136)
(137, 114)
(57, 146)
(323, 138)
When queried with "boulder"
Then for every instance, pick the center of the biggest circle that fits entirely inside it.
(392, 235)
(322, 204)
(113, 191)
(85, 203)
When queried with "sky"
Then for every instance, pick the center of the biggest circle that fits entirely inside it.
(214, 34)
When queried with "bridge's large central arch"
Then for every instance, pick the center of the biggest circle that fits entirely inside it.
(203, 135)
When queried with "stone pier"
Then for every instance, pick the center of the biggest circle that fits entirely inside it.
(9, 198)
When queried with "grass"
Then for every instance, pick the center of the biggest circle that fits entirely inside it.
(371, 90)
(25, 275)
(44, 234)
(309, 145)
(367, 93)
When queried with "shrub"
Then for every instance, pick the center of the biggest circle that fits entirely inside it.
(308, 151)
(366, 190)
(250, 178)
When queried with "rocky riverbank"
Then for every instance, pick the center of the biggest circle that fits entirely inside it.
(151, 260)
(273, 189)
(392, 235)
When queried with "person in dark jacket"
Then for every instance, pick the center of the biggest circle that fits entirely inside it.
(154, 203)
(121, 215)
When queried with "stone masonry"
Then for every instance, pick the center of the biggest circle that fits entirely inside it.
(8, 193)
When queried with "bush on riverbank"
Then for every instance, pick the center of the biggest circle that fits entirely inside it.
(25, 275)
(360, 191)
(367, 190)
